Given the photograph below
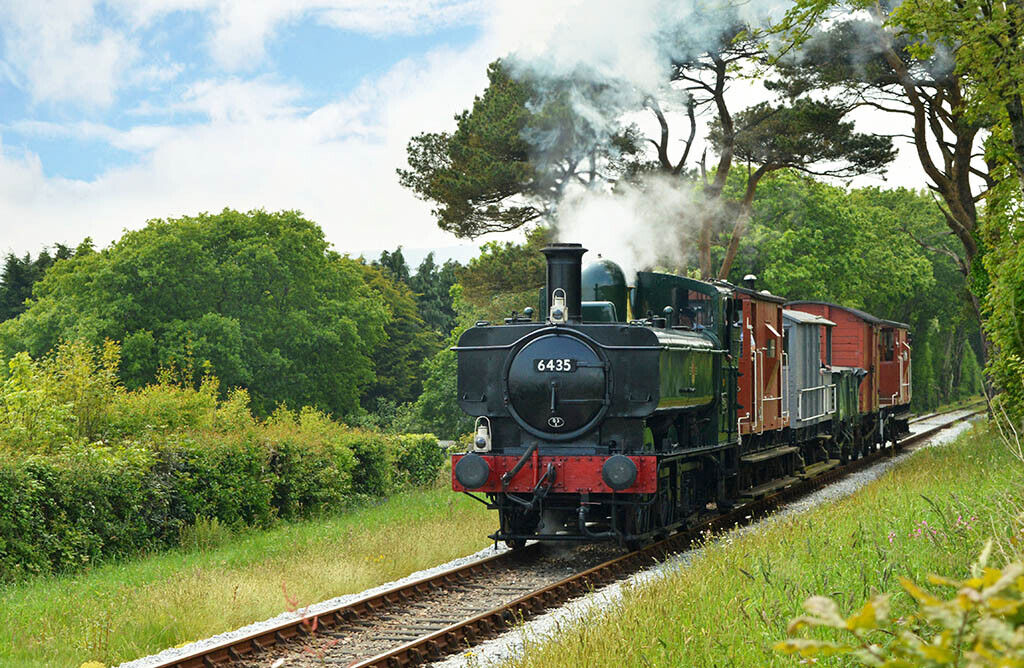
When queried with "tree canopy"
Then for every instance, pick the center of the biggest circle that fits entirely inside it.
(21, 273)
(257, 298)
(529, 140)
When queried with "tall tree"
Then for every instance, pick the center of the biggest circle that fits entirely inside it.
(986, 41)
(394, 265)
(21, 273)
(397, 362)
(885, 62)
(511, 157)
(432, 285)
(507, 165)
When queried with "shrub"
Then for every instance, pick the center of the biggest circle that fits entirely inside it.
(177, 465)
(419, 458)
(166, 408)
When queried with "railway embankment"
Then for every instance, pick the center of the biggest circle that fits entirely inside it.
(223, 580)
(730, 600)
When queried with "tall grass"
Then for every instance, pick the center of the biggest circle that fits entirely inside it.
(932, 514)
(121, 611)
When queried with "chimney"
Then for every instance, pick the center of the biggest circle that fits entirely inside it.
(564, 266)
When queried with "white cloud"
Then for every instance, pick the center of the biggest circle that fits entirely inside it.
(240, 29)
(236, 99)
(335, 163)
(62, 53)
(258, 144)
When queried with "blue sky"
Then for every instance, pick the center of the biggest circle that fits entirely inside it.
(114, 112)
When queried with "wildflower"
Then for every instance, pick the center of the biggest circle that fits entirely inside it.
(892, 537)
(92, 664)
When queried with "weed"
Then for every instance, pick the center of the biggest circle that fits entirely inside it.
(205, 534)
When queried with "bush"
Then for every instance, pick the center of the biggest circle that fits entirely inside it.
(176, 464)
(88, 503)
(419, 458)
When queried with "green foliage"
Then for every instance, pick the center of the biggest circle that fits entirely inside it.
(505, 276)
(982, 624)
(809, 135)
(513, 154)
(1004, 303)
(470, 174)
(410, 341)
(419, 458)
(257, 298)
(432, 285)
(923, 380)
(437, 408)
(20, 274)
(811, 240)
(172, 455)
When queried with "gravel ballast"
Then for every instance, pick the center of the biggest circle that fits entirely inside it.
(177, 652)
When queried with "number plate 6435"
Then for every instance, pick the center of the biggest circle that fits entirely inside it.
(557, 364)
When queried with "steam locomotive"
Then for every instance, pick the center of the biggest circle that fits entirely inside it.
(624, 411)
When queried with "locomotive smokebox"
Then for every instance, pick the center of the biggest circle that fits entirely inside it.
(564, 266)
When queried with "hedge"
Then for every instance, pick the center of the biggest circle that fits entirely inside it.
(91, 503)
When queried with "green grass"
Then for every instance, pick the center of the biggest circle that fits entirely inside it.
(734, 601)
(122, 611)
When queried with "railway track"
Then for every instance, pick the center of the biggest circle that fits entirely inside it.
(424, 620)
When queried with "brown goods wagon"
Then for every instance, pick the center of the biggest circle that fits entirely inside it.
(759, 387)
(855, 343)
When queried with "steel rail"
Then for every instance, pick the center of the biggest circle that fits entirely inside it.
(481, 626)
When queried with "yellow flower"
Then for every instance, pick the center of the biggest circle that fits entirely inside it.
(93, 664)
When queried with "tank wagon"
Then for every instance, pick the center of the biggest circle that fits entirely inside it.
(622, 409)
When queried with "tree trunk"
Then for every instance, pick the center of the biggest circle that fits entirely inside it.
(740, 226)
(704, 248)
(1015, 112)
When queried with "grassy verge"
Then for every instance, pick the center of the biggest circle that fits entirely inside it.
(122, 611)
(931, 514)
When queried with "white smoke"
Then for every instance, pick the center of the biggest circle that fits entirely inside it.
(613, 41)
(652, 224)
(617, 56)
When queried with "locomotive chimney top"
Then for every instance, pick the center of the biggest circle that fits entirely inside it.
(749, 281)
(563, 281)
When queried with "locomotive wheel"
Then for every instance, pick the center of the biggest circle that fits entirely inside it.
(638, 523)
(517, 521)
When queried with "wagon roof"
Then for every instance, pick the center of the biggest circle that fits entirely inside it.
(806, 318)
(867, 317)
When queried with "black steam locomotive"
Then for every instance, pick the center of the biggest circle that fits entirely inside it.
(595, 424)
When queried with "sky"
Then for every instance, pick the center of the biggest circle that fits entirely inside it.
(113, 113)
